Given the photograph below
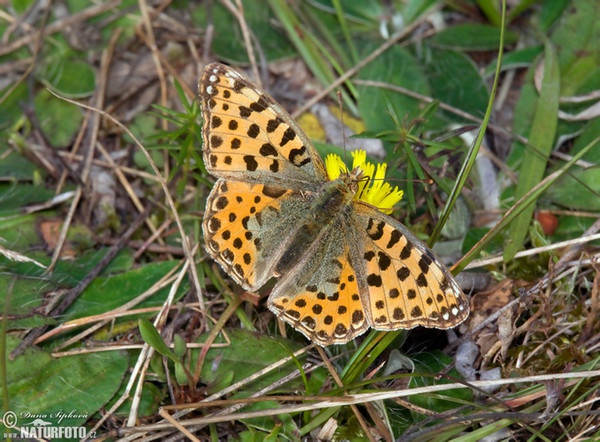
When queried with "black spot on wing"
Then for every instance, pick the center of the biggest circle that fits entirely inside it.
(251, 163)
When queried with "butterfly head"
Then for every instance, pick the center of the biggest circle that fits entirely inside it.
(366, 180)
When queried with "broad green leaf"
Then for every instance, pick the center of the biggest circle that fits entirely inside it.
(456, 81)
(14, 197)
(21, 299)
(397, 67)
(179, 347)
(10, 109)
(108, 292)
(152, 397)
(579, 190)
(153, 338)
(17, 167)
(471, 37)
(248, 353)
(58, 119)
(411, 11)
(228, 42)
(41, 385)
(19, 233)
(588, 133)
(71, 79)
(550, 12)
(519, 58)
(29, 292)
(20, 6)
(577, 35)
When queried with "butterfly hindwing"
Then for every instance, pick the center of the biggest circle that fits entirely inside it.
(404, 283)
(242, 225)
(320, 296)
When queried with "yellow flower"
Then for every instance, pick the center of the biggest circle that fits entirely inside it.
(372, 188)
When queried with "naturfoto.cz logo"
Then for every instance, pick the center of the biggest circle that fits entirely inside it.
(43, 426)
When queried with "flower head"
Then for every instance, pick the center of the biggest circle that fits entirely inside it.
(371, 188)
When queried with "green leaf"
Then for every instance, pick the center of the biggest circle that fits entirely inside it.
(228, 42)
(471, 37)
(223, 380)
(21, 6)
(455, 80)
(377, 106)
(58, 119)
(151, 397)
(519, 58)
(577, 34)
(247, 353)
(517, 209)
(70, 78)
(541, 140)
(579, 190)
(10, 109)
(550, 12)
(13, 197)
(153, 338)
(16, 167)
(587, 135)
(39, 384)
(180, 347)
(109, 292)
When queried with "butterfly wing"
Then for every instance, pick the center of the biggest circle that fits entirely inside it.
(249, 137)
(248, 226)
(402, 282)
(320, 296)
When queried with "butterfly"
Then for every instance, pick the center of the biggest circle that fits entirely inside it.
(342, 265)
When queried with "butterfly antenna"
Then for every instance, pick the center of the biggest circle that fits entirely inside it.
(366, 178)
(341, 107)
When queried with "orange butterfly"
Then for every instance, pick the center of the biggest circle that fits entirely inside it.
(343, 266)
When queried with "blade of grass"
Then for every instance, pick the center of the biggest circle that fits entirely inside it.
(327, 38)
(519, 207)
(317, 56)
(533, 166)
(490, 9)
(472, 154)
(339, 10)
(375, 343)
(310, 49)
(3, 354)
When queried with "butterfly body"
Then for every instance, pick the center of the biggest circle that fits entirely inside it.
(343, 266)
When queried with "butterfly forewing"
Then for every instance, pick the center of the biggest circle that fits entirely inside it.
(249, 137)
